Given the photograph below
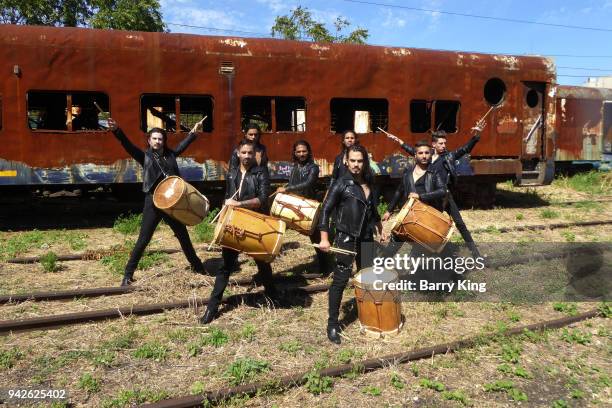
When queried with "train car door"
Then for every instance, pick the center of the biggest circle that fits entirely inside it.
(533, 120)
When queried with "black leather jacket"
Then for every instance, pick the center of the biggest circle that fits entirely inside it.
(434, 186)
(256, 184)
(340, 168)
(445, 164)
(303, 179)
(234, 161)
(152, 173)
(355, 215)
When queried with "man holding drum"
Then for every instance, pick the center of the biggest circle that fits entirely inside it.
(443, 163)
(157, 161)
(247, 186)
(419, 182)
(354, 199)
(302, 181)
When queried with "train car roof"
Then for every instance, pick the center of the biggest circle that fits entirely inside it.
(583, 92)
(148, 42)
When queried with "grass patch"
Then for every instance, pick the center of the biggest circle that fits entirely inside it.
(244, 369)
(456, 395)
(382, 207)
(371, 390)
(215, 338)
(511, 353)
(8, 358)
(89, 383)
(118, 259)
(569, 309)
(576, 337)
(592, 182)
(315, 384)
(49, 262)
(549, 214)
(23, 242)
(291, 347)
(432, 385)
(507, 387)
(397, 382)
(204, 231)
(520, 217)
(153, 351)
(127, 224)
(76, 240)
(569, 236)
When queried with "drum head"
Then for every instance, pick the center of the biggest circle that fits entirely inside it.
(168, 192)
(221, 223)
(366, 278)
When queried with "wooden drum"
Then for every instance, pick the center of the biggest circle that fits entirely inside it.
(423, 224)
(180, 200)
(255, 234)
(300, 214)
(380, 310)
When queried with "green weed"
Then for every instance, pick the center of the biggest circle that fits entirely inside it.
(204, 231)
(511, 353)
(244, 369)
(397, 381)
(433, 385)
(315, 384)
(89, 383)
(456, 395)
(8, 358)
(371, 390)
(128, 224)
(569, 309)
(49, 262)
(549, 214)
(153, 351)
(576, 336)
(134, 397)
(215, 338)
(593, 182)
(291, 347)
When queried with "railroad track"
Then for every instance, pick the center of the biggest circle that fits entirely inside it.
(543, 226)
(47, 322)
(299, 379)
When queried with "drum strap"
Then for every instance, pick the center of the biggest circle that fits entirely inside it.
(156, 158)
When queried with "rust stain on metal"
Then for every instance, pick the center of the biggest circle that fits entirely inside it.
(126, 66)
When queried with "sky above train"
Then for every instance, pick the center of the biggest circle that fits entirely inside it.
(577, 34)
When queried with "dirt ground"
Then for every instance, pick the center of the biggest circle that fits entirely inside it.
(133, 360)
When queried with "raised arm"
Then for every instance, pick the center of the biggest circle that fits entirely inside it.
(129, 147)
(190, 137)
(466, 148)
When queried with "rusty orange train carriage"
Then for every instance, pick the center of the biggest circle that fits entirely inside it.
(53, 80)
(584, 127)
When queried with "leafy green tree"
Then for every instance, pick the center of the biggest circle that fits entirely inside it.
(300, 24)
(142, 15)
(137, 15)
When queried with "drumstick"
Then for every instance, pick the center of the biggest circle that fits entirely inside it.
(98, 106)
(338, 250)
(387, 133)
(219, 213)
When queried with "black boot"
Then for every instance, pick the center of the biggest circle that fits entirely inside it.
(209, 315)
(333, 333)
(127, 281)
(199, 268)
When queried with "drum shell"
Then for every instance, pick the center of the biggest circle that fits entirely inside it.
(379, 311)
(189, 208)
(299, 213)
(259, 236)
(423, 224)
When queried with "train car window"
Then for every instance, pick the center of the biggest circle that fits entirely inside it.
(67, 111)
(158, 111)
(446, 116)
(290, 114)
(193, 109)
(256, 109)
(86, 116)
(361, 115)
(47, 110)
(420, 116)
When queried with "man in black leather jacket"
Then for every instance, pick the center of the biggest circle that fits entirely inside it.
(419, 182)
(157, 161)
(302, 181)
(252, 133)
(354, 197)
(247, 186)
(443, 163)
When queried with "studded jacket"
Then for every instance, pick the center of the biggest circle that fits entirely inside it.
(256, 184)
(303, 179)
(434, 186)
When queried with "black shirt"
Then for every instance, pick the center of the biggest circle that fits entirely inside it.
(419, 185)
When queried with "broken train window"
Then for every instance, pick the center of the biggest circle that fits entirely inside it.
(444, 113)
(274, 113)
(67, 110)
(359, 114)
(175, 113)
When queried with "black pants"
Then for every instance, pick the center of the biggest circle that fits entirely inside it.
(230, 257)
(453, 211)
(151, 217)
(323, 259)
(342, 271)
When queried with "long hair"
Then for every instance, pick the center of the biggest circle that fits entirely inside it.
(301, 143)
(366, 172)
(255, 126)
